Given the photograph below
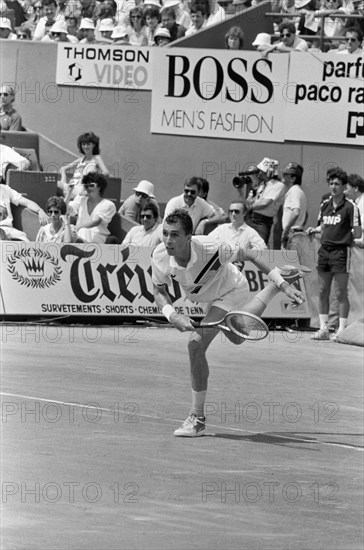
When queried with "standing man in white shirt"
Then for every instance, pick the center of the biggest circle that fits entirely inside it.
(295, 202)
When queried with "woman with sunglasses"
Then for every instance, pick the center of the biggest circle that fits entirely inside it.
(59, 229)
(89, 146)
(94, 213)
(138, 30)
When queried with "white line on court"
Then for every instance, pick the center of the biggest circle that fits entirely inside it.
(152, 417)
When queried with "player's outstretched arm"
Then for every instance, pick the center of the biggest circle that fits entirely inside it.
(162, 299)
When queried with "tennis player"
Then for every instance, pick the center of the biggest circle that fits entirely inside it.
(206, 274)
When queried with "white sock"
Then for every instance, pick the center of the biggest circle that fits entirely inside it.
(198, 402)
(324, 319)
(342, 323)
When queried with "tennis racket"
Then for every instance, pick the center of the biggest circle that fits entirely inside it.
(243, 324)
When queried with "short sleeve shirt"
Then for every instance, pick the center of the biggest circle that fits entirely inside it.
(295, 198)
(337, 223)
(209, 274)
(200, 209)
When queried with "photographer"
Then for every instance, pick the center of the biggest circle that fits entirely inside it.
(263, 207)
(247, 182)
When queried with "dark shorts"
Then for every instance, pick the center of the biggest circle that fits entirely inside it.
(333, 260)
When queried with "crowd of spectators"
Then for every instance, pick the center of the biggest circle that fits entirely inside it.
(159, 22)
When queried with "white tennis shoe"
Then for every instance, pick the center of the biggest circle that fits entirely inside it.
(191, 427)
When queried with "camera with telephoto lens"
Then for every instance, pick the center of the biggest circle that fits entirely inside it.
(244, 178)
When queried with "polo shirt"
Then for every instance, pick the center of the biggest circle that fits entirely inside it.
(243, 237)
(295, 198)
(337, 223)
(139, 237)
(200, 209)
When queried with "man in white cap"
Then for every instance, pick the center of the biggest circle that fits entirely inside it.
(162, 37)
(59, 33)
(87, 27)
(133, 205)
(6, 30)
(105, 28)
(270, 195)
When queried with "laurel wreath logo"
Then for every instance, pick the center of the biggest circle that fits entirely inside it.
(30, 254)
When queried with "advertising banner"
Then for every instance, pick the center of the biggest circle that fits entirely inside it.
(47, 279)
(103, 66)
(325, 98)
(219, 94)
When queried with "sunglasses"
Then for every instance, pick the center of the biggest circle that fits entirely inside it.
(351, 40)
(54, 211)
(5, 94)
(233, 211)
(135, 17)
(89, 185)
(21, 36)
(142, 195)
(190, 192)
(286, 35)
(146, 216)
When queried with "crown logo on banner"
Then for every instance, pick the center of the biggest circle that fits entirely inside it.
(34, 267)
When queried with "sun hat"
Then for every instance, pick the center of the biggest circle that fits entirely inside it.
(106, 25)
(119, 32)
(146, 187)
(5, 23)
(262, 39)
(86, 24)
(162, 33)
(59, 26)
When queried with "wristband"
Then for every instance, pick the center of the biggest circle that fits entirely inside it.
(167, 311)
(275, 277)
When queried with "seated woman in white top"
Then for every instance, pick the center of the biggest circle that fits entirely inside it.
(59, 229)
(89, 146)
(94, 213)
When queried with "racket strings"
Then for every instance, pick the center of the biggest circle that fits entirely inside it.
(246, 326)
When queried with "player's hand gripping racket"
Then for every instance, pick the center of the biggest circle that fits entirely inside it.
(245, 325)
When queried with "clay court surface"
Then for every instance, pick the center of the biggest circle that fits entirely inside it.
(89, 460)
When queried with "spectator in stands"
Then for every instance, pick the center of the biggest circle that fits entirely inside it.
(263, 208)
(6, 31)
(72, 26)
(91, 161)
(217, 13)
(9, 196)
(168, 17)
(234, 39)
(133, 205)
(289, 41)
(295, 202)
(152, 19)
(198, 17)
(147, 234)
(10, 120)
(23, 33)
(35, 16)
(358, 6)
(10, 159)
(237, 231)
(59, 33)
(333, 26)
(220, 215)
(87, 28)
(51, 15)
(107, 12)
(353, 40)
(105, 28)
(162, 37)
(308, 23)
(262, 42)
(138, 31)
(94, 213)
(19, 12)
(90, 9)
(339, 223)
(120, 35)
(123, 11)
(355, 192)
(197, 208)
(59, 230)
(182, 16)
